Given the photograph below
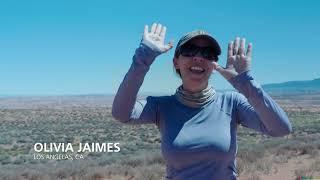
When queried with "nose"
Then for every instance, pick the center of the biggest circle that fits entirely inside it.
(198, 57)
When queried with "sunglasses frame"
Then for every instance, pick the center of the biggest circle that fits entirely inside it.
(191, 50)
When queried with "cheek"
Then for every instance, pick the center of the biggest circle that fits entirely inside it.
(178, 62)
(211, 67)
(182, 64)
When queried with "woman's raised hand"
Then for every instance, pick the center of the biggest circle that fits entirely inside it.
(155, 38)
(238, 59)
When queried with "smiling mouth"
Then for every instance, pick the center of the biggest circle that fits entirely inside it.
(196, 69)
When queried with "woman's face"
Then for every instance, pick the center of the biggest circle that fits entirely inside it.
(195, 70)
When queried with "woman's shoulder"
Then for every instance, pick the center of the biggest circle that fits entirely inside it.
(161, 99)
(229, 97)
(228, 94)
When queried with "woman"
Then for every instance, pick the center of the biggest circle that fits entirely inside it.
(198, 125)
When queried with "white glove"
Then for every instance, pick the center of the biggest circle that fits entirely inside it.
(155, 38)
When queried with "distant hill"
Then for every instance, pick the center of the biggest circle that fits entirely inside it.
(278, 90)
(294, 87)
(59, 102)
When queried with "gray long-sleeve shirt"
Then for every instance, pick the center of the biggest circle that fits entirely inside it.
(199, 143)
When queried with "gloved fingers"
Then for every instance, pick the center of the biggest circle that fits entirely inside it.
(146, 29)
(153, 28)
(158, 29)
(163, 31)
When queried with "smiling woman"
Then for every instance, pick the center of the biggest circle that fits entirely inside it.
(198, 126)
(194, 59)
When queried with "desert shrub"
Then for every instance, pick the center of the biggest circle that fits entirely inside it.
(251, 155)
(315, 167)
(154, 158)
(33, 161)
(108, 160)
(5, 140)
(22, 140)
(242, 165)
(264, 166)
(117, 169)
(152, 172)
(254, 176)
(282, 158)
(132, 161)
(19, 161)
(5, 159)
(95, 154)
(31, 174)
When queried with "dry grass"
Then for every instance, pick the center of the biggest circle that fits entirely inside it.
(259, 157)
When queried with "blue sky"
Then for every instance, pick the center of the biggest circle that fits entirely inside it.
(60, 47)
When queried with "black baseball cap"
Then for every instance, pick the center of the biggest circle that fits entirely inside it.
(196, 34)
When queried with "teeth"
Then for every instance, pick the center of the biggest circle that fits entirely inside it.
(197, 68)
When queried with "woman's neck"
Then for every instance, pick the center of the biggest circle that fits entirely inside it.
(196, 87)
(195, 99)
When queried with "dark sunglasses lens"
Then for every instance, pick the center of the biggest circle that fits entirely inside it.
(189, 50)
(208, 53)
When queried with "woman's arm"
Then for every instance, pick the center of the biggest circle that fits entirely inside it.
(125, 108)
(257, 110)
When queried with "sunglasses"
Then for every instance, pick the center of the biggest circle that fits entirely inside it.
(205, 52)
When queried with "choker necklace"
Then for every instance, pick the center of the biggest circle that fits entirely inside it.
(195, 99)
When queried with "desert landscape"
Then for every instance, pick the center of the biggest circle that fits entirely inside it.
(29, 120)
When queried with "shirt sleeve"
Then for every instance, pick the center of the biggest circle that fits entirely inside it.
(126, 108)
(144, 111)
(257, 110)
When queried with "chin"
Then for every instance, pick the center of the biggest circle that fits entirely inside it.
(199, 78)
(187, 75)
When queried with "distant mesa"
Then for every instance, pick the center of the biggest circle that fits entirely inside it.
(105, 101)
(294, 87)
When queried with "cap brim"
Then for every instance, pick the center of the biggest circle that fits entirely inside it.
(213, 43)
